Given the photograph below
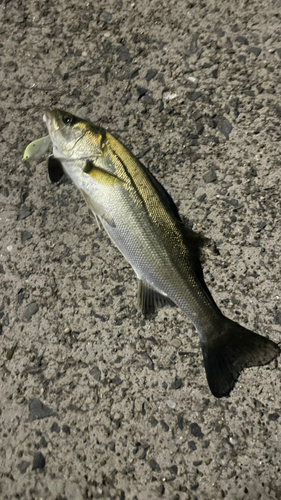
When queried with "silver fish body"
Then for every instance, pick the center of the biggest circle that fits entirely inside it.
(143, 222)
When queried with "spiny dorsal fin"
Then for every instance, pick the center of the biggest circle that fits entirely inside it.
(166, 199)
(149, 299)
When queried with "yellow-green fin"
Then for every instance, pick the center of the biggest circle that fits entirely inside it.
(100, 175)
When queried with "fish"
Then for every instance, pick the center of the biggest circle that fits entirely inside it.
(36, 149)
(142, 220)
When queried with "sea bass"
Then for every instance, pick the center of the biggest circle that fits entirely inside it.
(142, 220)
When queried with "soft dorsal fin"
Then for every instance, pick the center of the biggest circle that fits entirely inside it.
(166, 199)
(149, 299)
(195, 243)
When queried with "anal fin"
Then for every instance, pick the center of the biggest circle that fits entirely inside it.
(149, 299)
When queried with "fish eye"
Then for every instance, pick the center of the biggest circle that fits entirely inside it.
(67, 120)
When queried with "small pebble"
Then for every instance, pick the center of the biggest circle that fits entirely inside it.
(177, 384)
(173, 469)
(255, 50)
(242, 40)
(55, 427)
(164, 426)
(273, 416)
(210, 176)
(105, 17)
(180, 420)
(10, 353)
(25, 212)
(23, 466)
(224, 126)
(38, 410)
(111, 446)
(141, 92)
(195, 430)
(30, 310)
(25, 236)
(96, 373)
(171, 403)
(42, 443)
(154, 465)
(150, 74)
(192, 446)
(169, 96)
(193, 46)
(124, 55)
(148, 100)
(176, 343)
(193, 96)
(153, 421)
(38, 461)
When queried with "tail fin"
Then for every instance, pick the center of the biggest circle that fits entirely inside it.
(235, 349)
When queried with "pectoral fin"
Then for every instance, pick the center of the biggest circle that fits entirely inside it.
(98, 209)
(149, 299)
(55, 169)
(100, 175)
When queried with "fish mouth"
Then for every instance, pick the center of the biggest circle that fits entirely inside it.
(50, 121)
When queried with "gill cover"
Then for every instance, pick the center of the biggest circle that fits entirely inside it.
(73, 137)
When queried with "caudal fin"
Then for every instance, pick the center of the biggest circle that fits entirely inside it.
(236, 348)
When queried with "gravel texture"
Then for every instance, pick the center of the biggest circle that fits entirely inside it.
(96, 401)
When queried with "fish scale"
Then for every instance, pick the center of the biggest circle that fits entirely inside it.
(143, 222)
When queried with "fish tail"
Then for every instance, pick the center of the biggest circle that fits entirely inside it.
(233, 349)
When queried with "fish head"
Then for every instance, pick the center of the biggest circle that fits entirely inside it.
(73, 138)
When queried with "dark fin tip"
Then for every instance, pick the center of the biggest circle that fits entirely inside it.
(55, 169)
(234, 350)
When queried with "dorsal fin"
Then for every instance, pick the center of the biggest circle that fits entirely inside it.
(166, 199)
(195, 243)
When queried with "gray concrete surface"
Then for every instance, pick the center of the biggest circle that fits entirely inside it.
(193, 88)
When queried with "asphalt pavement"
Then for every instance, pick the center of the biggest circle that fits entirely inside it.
(98, 402)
